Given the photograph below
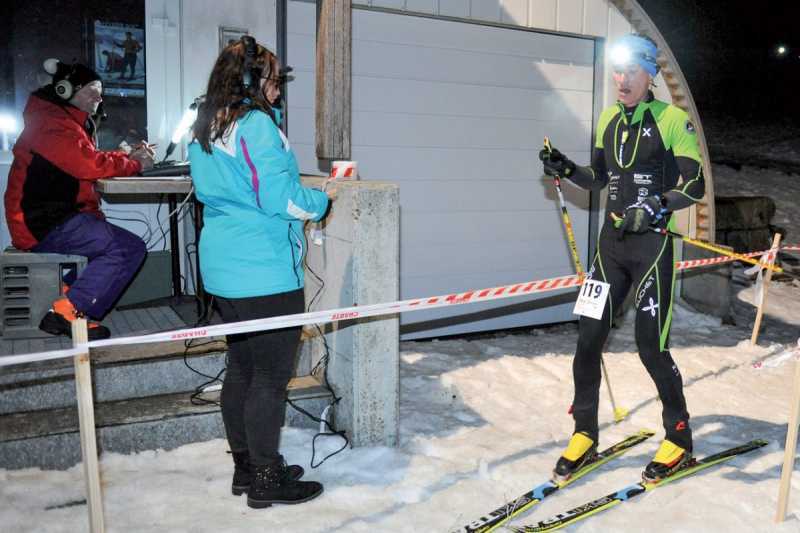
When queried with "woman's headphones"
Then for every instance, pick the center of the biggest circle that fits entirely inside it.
(251, 72)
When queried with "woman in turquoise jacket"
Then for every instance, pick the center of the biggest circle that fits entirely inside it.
(251, 258)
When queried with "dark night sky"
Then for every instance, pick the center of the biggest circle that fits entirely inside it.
(726, 49)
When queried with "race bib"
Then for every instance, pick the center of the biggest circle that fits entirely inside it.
(592, 299)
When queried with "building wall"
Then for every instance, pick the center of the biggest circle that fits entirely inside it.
(595, 18)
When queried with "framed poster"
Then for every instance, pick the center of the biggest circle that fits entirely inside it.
(229, 35)
(119, 58)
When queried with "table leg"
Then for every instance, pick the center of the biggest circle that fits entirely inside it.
(174, 245)
(199, 288)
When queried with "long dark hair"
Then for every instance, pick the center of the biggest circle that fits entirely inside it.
(226, 98)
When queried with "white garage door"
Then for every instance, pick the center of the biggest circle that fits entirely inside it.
(455, 113)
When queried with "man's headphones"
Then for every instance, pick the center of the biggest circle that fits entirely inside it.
(64, 88)
(251, 72)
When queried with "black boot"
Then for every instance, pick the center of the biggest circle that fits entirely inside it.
(272, 484)
(242, 474)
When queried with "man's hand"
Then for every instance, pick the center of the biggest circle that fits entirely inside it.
(144, 156)
(555, 163)
(641, 215)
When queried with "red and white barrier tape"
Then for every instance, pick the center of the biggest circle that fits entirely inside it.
(7, 360)
(693, 263)
(350, 313)
(321, 317)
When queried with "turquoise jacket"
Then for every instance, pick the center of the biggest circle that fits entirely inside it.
(252, 242)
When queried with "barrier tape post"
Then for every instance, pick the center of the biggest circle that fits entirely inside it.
(790, 449)
(762, 301)
(83, 384)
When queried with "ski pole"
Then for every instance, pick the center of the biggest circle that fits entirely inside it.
(573, 246)
(705, 245)
(619, 412)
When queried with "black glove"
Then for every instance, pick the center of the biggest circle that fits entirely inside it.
(556, 164)
(643, 214)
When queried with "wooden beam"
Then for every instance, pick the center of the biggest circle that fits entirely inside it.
(91, 468)
(761, 302)
(790, 450)
(334, 50)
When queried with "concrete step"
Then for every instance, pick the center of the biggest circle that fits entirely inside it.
(52, 388)
(121, 372)
(50, 438)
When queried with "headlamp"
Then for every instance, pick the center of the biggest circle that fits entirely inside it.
(620, 55)
(631, 49)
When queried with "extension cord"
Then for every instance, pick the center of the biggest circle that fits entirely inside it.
(325, 419)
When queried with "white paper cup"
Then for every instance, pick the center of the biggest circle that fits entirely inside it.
(344, 170)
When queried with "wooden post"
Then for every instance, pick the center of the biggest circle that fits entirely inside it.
(790, 449)
(776, 240)
(83, 384)
(334, 50)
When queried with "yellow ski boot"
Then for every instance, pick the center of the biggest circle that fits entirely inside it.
(580, 449)
(669, 459)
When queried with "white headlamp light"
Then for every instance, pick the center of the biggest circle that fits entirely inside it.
(620, 55)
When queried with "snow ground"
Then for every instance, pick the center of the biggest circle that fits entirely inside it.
(483, 419)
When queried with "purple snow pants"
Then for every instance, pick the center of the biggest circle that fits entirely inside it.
(114, 255)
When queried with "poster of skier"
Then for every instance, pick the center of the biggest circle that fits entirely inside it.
(119, 58)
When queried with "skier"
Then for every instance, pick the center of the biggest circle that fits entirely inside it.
(646, 152)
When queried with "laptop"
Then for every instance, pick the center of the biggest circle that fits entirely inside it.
(167, 169)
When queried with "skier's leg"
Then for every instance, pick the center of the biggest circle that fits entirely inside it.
(592, 335)
(653, 303)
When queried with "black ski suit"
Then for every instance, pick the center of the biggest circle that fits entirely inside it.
(646, 151)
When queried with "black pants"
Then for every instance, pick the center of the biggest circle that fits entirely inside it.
(260, 365)
(644, 262)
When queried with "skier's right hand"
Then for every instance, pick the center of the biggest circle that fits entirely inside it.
(555, 163)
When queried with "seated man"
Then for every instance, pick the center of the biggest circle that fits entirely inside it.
(51, 202)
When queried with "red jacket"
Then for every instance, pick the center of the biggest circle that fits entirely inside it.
(56, 163)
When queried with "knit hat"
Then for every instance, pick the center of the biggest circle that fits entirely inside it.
(68, 79)
(634, 48)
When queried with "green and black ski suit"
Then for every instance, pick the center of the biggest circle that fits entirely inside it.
(649, 150)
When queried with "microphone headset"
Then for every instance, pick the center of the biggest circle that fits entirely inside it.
(251, 72)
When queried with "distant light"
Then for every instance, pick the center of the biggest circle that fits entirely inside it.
(782, 50)
(620, 55)
(8, 124)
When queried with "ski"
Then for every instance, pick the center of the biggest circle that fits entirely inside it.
(506, 512)
(615, 498)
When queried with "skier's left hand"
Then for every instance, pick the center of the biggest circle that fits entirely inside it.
(643, 214)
